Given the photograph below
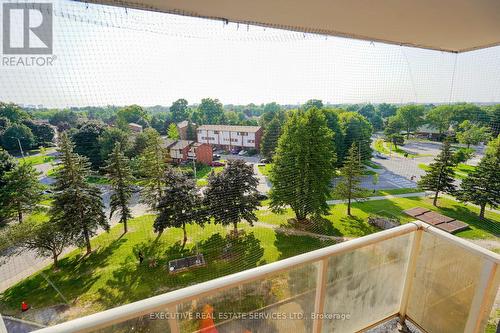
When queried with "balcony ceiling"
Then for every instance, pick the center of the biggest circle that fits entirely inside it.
(446, 25)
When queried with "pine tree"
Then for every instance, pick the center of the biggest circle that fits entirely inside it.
(191, 132)
(180, 203)
(351, 173)
(153, 169)
(303, 165)
(231, 195)
(440, 176)
(120, 174)
(482, 186)
(78, 207)
(173, 132)
(22, 190)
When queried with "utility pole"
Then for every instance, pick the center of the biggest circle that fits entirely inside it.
(194, 168)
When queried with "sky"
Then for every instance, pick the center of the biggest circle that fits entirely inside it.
(113, 56)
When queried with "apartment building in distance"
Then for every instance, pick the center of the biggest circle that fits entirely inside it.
(230, 137)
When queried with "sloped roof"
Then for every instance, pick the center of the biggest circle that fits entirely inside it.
(447, 25)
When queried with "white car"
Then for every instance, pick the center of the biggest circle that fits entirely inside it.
(242, 153)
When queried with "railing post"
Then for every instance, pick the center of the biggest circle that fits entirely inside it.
(173, 320)
(319, 300)
(410, 274)
(479, 302)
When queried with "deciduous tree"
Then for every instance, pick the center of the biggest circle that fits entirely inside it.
(472, 134)
(303, 165)
(173, 132)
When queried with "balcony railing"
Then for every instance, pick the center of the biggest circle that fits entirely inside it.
(438, 282)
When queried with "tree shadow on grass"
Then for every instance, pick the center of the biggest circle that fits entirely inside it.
(134, 281)
(462, 213)
(74, 278)
(292, 245)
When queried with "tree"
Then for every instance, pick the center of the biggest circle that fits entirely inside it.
(440, 175)
(333, 123)
(270, 111)
(368, 111)
(64, 117)
(108, 140)
(440, 118)
(270, 138)
(77, 209)
(45, 238)
(494, 114)
(355, 129)
(471, 112)
(392, 131)
(387, 110)
(179, 110)
(86, 141)
(231, 195)
(132, 114)
(411, 117)
(348, 187)
(191, 132)
(173, 132)
(462, 155)
(211, 111)
(120, 175)
(482, 185)
(312, 103)
(18, 132)
(180, 203)
(43, 133)
(13, 112)
(22, 190)
(472, 134)
(303, 165)
(153, 168)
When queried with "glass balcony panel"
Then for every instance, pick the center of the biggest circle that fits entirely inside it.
(280, 303)
(365, 286)
(445, 279)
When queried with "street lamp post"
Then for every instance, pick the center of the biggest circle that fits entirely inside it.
(20, 146)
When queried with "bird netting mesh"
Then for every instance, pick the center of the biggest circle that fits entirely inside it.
(105, 58)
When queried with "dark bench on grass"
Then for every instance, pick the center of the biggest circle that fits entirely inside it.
(184, 264)
(437, 220)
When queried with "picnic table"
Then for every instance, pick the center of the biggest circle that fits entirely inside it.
(437, 220)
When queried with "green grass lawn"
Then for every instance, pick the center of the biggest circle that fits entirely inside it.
(461, 170)
(111, 275)
(373, 165)
(265, 169)
(370, 193)
(380, 147)
(38, 159)
(357, 225)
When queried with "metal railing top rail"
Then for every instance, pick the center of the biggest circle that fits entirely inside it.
(170, 299)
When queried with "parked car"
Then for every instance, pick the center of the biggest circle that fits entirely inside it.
(243, 153)
(217, 164)
(216, 156)
(48, 192)
(265, 161)
(235, 151)
(135, 189)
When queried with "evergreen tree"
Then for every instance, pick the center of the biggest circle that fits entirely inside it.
(270, 138)
(180, 203)
(173, 132)
(440, 175)
(78, 209)
(231, 195)
(153, 167)
(120, 174)
(22, 190)
(348, 187)
(191, 132)
(303, 165)
(7, 163)
(482, 186)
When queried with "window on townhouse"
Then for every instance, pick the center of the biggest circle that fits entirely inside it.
(216, 132)
(251, 141)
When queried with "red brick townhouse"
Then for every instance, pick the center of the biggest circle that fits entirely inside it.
(230, 137)
(184, 150)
